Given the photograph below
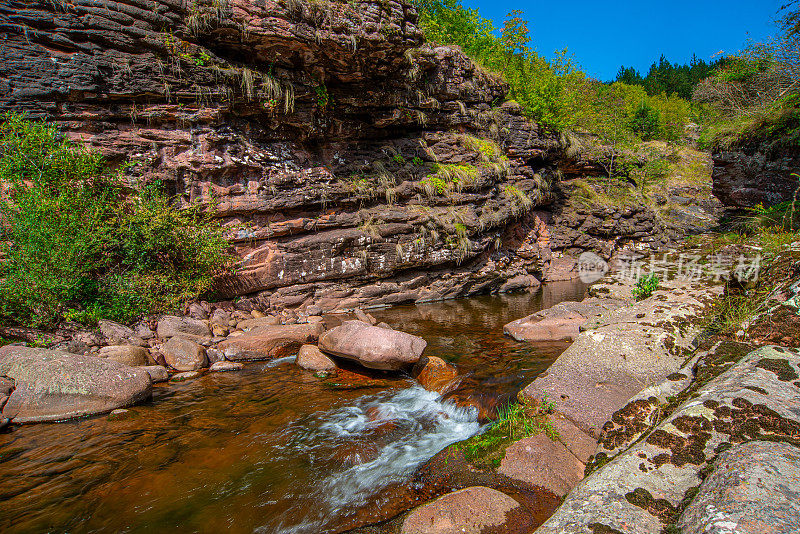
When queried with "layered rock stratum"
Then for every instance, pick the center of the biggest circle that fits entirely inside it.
(350, 161)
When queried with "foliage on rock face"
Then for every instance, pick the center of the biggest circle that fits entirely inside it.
(78, 244)
(756, 92)
(554, 93)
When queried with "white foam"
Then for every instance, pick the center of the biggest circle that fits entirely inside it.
(422, 426)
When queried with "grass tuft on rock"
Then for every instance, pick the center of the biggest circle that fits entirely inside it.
(514, 422)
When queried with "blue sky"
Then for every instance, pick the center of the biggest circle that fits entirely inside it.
(604, 35)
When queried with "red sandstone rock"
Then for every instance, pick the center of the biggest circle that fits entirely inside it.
(373, 347)
(268, 342)
(54, 386)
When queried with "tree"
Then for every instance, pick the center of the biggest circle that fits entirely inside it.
(646, 122)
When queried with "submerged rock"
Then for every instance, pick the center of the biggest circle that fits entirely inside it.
(268, 342)
(468, 511)
(373, 347)
(226, 366)
(436, 375)
(188, 375)
(54, 386)
(312, 359)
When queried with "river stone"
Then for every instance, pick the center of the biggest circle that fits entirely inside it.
(249, 324)
(127, 354)
(436, 375)
(268, 342)
(54, 386)
(158, 373)
(540, 461)
(312, 359)
(226, 366)
(170, 326)
(184, 354)
(364, 317)
(115, 331)
(754, 489)
(373, 347)
(639, 490)
(562, 322)
(468, 511)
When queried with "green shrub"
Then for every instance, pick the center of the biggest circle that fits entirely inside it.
(645, 286)
(646, 122)
(79, 244)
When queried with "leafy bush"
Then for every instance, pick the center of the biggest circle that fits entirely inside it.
(646, 122)
(645, 286)
(79, 244)
(554, 93)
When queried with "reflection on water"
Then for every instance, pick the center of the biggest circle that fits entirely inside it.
(268, 449)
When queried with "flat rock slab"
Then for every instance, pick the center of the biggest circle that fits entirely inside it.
(472, 510)
(373, 347)
(640, 491)
(54, 385)
(604, 368)
(268, 342)
(542, 462)
(562, 322)
(621, 352)
(754, 489)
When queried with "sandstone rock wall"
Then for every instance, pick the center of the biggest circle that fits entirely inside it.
(350, 162)
(756, 173)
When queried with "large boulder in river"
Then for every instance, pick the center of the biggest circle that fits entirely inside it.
(183, 354)
(268, 342)
(562, 322)
(54, 385)
(373, 347)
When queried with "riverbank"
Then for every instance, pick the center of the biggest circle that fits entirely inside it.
(266, 446)
(657, 409)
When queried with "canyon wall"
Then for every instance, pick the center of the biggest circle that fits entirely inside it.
(350, 161)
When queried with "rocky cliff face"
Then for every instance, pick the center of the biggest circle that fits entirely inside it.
(350, 161)
(757, 171)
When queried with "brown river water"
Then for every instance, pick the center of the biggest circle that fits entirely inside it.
(270, 449)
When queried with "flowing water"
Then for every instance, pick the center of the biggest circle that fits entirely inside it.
(269, 449)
